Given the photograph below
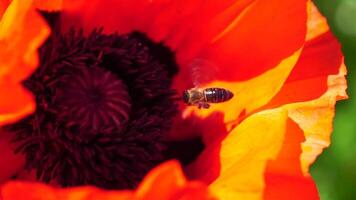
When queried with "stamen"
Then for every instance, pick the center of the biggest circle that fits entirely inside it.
(104, 105)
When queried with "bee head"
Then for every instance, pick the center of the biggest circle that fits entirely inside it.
(185, 96)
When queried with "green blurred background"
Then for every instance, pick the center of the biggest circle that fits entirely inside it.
(335, 170)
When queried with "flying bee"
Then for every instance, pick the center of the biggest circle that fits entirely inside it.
(202, 97)
(202, 72)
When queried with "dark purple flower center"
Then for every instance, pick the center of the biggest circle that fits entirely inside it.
(96, 99)
(104, 107)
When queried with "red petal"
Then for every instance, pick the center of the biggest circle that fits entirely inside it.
(196, 28)
(283, 175)
(320, 58)
(280, 187)
(3, 5)
(287, 162)
(48, 5)
(122, 16)
(265, 33)
(185, 26)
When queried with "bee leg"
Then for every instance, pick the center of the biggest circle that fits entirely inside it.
(203, 105)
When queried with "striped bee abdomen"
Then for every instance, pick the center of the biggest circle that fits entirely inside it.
(217, 95)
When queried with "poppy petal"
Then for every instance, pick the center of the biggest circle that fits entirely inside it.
(317, 24)
(244, 154)
(260, 137)
(248, 96)
(15, 102)
(164, 182)
(184, 26)
(39, 191)
(287, 161)
(315, 118)
(197, 23)
(48, 5)
(163, 20)
(168, 182)
(115, 16)
(264, 34)
(3, 5)
(283, 175)
(279, 187)
(22, 31)
(320, 58)
(188, 27)
(311, 79)
(251, 94)
(289, 169)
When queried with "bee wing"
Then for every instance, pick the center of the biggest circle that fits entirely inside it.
(202, 71)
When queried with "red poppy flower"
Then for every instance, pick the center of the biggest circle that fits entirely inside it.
(106, 111)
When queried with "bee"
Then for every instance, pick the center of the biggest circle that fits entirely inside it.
(202, 97)
(203, 71)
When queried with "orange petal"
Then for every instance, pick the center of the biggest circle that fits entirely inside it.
(315, 118)
(300, 131)
(168, 182)
(244, 154)
(283, 175)
(317, 24)
(312, 82)
(22, 31)
(260, 137)
(15, 102)
(162, 183)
